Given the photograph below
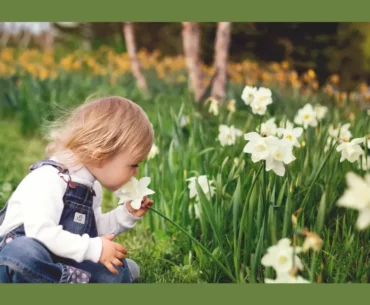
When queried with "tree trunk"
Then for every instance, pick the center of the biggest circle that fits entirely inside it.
(4, 38)
(87, 34)
(25, 40)
(221, 59)
(128, 31)
(48, 38)
(191, 44)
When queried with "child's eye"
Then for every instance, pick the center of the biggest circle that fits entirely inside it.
(135, 166)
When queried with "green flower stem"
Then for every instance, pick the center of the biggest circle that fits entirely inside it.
(198, 243)
(305, 199)
(244, 213)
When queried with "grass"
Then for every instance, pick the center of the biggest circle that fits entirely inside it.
(251, 209)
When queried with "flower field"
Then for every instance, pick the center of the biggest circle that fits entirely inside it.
(271, 187)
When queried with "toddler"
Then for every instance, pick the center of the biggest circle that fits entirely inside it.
(52, 229)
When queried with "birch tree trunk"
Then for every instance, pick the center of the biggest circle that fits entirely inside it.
(48, 38)
(128, 32)
(191, 44)
(222, 45)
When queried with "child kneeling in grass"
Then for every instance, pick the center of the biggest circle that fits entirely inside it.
(52, 229)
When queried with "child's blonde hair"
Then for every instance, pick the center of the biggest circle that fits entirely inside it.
(97, 130)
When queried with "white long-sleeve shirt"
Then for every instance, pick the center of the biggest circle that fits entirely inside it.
(37, 203)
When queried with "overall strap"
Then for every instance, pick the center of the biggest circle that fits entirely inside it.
(62, 169)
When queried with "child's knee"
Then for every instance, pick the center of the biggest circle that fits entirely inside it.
(133, 268)
(23, 249)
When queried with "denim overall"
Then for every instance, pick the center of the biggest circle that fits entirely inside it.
(27, 260)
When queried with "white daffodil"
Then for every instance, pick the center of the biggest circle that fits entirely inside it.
(351, 151)
(196, 210)
(280, 257)
(213, 108)
(268, 128)
(341, 133)
(259, 109)
(153, 152)
(368, 111)
(357, 196)
(286, 124)
(306, 116)
(134, 190)
(280, 153)
(290, 134)
(365, 163)
(262, 98)
(287, 279)
(231, 106)
(184, 120)
(276, 152)
(203, 182)
(257, 146)
(227, 135)
(257, 99)
(320, 111)
(248, 94)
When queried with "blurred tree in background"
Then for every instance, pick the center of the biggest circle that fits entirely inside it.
(327, 48)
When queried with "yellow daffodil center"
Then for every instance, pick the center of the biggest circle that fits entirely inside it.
(278, 155)
(283, 260)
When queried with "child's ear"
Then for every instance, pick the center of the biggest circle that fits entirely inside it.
(100, 164)
(97, 164)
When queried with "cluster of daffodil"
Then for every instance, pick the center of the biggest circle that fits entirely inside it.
(106, 62)
(274, 145)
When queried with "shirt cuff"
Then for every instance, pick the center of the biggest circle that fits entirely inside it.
(94, 249)
(125, 218)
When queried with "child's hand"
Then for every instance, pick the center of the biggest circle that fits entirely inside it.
(146, 204)
(112, 253)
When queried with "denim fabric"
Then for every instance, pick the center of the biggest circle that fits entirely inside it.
(27, 260)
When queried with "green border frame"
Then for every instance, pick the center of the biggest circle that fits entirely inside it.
(184, 294)
(189, 10)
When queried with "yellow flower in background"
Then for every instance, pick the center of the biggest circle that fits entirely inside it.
(181, 79)
(43, 74)
(7, 55)
(3, 68)
(31, 69)
(334, 79)
(91, 62)
(315, 85)
(172, 69)
(48, 59)
(311, 74)
(66, 63)
(285, 65)
(77, 65)
(363, 87)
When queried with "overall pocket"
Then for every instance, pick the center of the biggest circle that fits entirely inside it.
(76, 218)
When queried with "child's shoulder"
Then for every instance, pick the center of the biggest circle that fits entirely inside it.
(46, 176)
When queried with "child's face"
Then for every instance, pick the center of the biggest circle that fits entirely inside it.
(112, 174)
